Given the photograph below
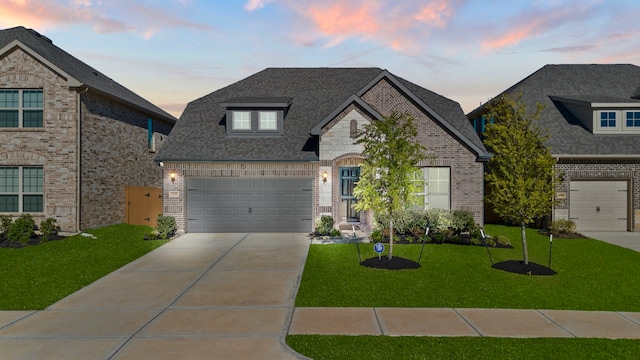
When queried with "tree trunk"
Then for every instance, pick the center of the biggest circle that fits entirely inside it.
(390, 237)
(525, 254)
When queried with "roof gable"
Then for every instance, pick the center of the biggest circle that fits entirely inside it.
(353, 99)
(77, 73)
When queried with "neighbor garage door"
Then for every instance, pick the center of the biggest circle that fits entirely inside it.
(249, 205)
(599, 205)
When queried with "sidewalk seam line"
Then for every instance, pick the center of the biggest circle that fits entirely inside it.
(627, 318)
(468, 322)
(555, 322)
(375, 314)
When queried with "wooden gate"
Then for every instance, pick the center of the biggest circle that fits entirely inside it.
(143, 205)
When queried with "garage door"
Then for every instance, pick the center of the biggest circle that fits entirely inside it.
(599, 205)
(249, 205)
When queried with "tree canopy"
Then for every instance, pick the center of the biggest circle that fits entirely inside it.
(387, 182)
(520, 174)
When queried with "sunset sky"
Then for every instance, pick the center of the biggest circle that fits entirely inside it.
(174, 51)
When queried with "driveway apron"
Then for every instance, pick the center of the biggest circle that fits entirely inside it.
(200, 296)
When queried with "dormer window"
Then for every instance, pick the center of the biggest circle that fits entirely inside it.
(608, 119)
(241, 120)
(633, 119)
(256, 117)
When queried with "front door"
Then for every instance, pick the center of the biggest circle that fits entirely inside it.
(349, 177)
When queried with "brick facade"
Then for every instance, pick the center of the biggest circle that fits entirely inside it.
(467, 187)
(628, 170)
(114, 147)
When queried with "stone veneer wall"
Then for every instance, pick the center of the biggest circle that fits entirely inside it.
(467, 190)
(599, 170)
(115, 155)
(175, 196)
(53, 146)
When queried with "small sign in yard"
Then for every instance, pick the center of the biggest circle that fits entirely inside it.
(378, 248)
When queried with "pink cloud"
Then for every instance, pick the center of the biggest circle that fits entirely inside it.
(104, 17)
(400, 25)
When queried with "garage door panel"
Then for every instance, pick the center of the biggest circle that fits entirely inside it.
(599, 205)
(249, 204)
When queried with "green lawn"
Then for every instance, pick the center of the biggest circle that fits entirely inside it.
(37, 276)
(592, 275)
(400, 348)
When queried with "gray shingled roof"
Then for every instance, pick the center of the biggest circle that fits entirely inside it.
(589, 83)
(315, 92)
(80, 71)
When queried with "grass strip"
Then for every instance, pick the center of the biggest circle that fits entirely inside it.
(35, 277)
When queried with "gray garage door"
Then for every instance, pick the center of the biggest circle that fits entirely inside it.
(599, 205)
(249, 205)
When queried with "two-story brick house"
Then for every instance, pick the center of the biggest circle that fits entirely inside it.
(276, 150)
(71, 138)
(592, 115)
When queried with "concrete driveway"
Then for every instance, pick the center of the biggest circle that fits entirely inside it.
(200, 296)
(627, 239)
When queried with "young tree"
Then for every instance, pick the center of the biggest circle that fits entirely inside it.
(388, 178)
(520, 174)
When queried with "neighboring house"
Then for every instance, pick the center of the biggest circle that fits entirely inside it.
(71, 139)
(276, 150)
(592, 113)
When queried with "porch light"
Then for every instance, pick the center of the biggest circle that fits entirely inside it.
(172, 175)
(325, 175)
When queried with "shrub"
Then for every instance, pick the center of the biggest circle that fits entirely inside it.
(376, 235)
(166, 226)
(324, 225)
(22, 229)
(502, 240)
(48, 228)
(439, 219)
(5, 223)
(563, 226)
(335, 233)
(462, 220)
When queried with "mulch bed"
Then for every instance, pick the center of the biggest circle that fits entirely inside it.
(35, 240)
(519, 267)
(395, 263)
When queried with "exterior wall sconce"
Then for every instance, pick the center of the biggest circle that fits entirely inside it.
(325, 175)
(172, 175)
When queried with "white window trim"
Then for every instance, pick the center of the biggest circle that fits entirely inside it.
(625, 126)
(21, 108)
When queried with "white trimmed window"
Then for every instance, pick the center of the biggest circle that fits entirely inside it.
(633, 119)
(21, 108)
(267, 120)
(437, 188)
(21, 189)
(241, 120)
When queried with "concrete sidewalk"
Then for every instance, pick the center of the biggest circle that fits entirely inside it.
(626, 239)
(465, 322)
(200, 296)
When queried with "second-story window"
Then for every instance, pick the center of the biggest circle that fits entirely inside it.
(633, 119)
(267, 120)
(241, 120)
(21, 108)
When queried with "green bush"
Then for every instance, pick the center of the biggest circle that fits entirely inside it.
(166, 226)
(376, 235)
(324, 225)
(48, 228)
(439, 219)
(22, 229)
(335, 233)
(5, 223)
(462, 220)
(563, 227)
